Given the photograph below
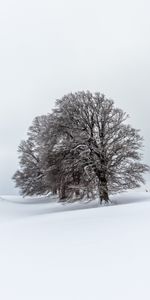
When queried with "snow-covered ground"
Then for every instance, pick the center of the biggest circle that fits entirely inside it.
(64, 252)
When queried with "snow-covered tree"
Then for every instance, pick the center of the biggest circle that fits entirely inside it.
(83, 145)
(31, 176)
(107, 146)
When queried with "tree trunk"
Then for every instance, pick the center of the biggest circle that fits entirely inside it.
(77, 192)
(54, 191)
(104, 192)
(62, 193)
(102, 187)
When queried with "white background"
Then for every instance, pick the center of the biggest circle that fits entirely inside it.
(49, 48)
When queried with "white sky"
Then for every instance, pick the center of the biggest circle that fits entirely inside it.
(49, 48)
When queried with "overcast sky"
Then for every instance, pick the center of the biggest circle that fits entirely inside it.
(49, 48)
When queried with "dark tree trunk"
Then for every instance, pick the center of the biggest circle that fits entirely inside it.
(104, 191)
(77, 192)
(102, 187)
(76, 179)
(54, 191)
(62, 193)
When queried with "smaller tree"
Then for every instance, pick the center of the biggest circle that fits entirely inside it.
(30, 176)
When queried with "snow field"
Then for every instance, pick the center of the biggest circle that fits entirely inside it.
(97, 253)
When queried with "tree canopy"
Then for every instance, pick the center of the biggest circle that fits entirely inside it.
(84, 146)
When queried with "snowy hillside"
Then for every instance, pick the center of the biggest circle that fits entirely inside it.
(52, 251)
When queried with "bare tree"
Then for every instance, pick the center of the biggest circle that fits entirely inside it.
(106, 143)
(84, 144)
(30, 176)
